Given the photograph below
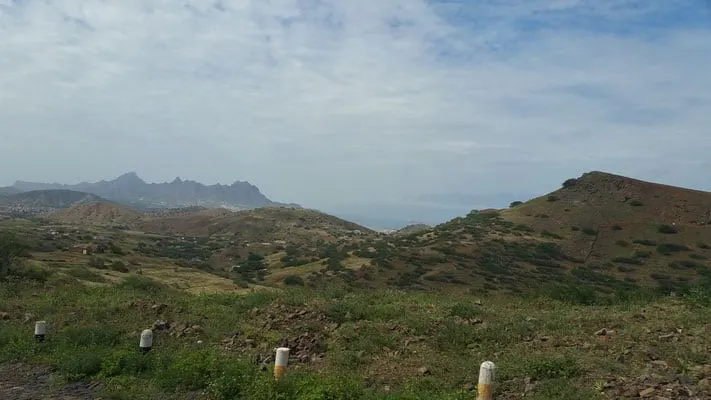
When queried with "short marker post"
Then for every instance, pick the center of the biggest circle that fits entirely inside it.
(146, 343)
(485, 389)
(40, 330)
(280, 362)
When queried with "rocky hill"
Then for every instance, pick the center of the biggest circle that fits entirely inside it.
(130, 188)
(599, 231)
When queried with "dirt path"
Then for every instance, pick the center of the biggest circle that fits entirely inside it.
(24, 382)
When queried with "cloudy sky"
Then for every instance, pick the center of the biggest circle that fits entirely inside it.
(326, 102)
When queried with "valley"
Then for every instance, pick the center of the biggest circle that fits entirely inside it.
(597, 290)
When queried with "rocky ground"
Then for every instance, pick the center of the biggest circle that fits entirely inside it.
(24, 382)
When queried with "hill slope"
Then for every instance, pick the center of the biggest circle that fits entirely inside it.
(48, 199)
(97, 213)
(263, 224)
(599, 231)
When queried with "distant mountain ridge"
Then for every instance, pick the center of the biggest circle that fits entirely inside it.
(58, 198)
(130, 188)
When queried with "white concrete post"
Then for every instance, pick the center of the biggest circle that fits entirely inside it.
(40, 330)
(485, 389)
(146, 343)
(280, 362)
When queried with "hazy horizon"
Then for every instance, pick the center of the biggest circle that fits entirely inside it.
(332, 103)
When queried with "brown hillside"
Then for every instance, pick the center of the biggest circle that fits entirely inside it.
(600, 230)
(97, 213)
(262, 224)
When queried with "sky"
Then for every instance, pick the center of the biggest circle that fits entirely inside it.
(330, 103)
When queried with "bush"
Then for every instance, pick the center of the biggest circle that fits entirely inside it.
(553, 198)
(671, 248)
(96, 262)
(515, 204)
(622, 243)
(293, 280)
(636, 203)
(703, 245)
(645, 242)
(668, 229)
(590, 231)
(551, 368)
(118, 266)
(11, 248)
(627, 260)
(569, 183)
(616, 228)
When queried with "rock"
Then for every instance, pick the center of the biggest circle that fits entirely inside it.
(648, 392)
(530, 385)
(161, 325)
(159, 308)
(478, 302)
(4, 315)
(660, 363)
(601, 332)
(705, 385)
(424, 371)
(469, 387)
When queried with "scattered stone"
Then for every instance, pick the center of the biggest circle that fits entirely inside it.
(159, 308)
(161, 325)
(601, 332)
(424, 371)
(648, 392)
(4, 315)
(530, 385)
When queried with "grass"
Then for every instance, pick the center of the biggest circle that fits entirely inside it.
(372, 340)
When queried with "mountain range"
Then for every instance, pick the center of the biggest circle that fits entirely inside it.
(130, 189)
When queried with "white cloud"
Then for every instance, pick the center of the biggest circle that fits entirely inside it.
(334, 101)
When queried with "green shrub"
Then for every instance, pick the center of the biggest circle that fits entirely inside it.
(622, 243)
(293, 280)
(590, 231)
(515, 204)
(671, 248)
(636, 203)
(464, 310)
(553, 198)
(627, 260)
(551, 368)
(190, 370)
(667, 229)
(616, 228)
(645, 242)
(80, 364)
(119, 266)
